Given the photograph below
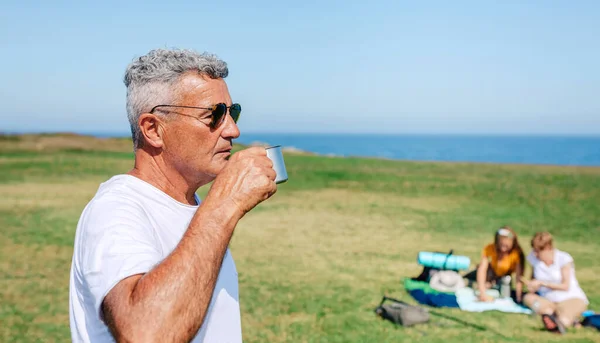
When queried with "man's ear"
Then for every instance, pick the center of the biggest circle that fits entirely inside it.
(152, 130)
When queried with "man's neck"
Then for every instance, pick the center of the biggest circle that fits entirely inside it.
(152, 169)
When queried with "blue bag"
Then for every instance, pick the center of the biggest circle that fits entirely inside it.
(592, 321)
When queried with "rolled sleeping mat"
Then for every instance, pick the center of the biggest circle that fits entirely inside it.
(588, 313)
(443, 261)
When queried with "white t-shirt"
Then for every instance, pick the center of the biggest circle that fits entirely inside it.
(126, 229)
(553, 274)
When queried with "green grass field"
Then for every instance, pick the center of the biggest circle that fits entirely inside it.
(315, 259)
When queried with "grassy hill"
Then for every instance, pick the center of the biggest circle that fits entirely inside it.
(314, 260)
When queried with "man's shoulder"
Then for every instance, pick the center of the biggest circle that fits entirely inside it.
(116, 199)
(123, 190)
(121, 184)
(117, 191)
(115, 212)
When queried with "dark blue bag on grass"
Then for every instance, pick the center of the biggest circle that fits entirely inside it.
(592, 321)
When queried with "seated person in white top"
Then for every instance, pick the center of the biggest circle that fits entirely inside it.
(151, 263)
(558, 297)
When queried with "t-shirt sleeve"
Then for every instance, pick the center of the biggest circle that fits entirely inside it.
(532, 259)
(564, 258)
(117, 242)
(489, 250)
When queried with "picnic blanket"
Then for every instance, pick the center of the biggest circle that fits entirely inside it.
(468, 301)
(425, 295)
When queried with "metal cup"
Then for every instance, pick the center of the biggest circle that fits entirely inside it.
(276, 155)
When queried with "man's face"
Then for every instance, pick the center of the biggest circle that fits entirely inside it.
(194, 148)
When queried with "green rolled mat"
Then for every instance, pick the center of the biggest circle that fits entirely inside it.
(411, 285)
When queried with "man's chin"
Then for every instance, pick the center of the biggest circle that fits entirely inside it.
(219, 165)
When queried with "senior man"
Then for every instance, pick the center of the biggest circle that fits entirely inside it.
(151, 262)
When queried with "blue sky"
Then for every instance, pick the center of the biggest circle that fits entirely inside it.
(314, 66)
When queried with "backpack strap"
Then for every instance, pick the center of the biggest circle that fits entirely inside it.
(447, 257)
(385, 297)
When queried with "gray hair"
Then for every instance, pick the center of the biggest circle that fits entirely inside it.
(152, 79)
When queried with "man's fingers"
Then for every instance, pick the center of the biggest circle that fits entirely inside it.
(271, 174)
(252, 151)
(273, 191)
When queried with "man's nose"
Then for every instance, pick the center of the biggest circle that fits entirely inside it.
(230, 128)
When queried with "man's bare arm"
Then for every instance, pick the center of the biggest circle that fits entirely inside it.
(168, 304)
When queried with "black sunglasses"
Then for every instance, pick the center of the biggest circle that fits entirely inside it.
(218, 112)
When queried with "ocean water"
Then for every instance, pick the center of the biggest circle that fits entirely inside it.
(552, 150)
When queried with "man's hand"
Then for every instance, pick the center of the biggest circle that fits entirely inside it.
(246, 180)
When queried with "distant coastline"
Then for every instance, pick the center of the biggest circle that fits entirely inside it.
(505, 149)
(127, 134)
(563, 150)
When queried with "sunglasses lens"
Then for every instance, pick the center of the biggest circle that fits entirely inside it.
(218, 114)
(235, 111)
(219, 111)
